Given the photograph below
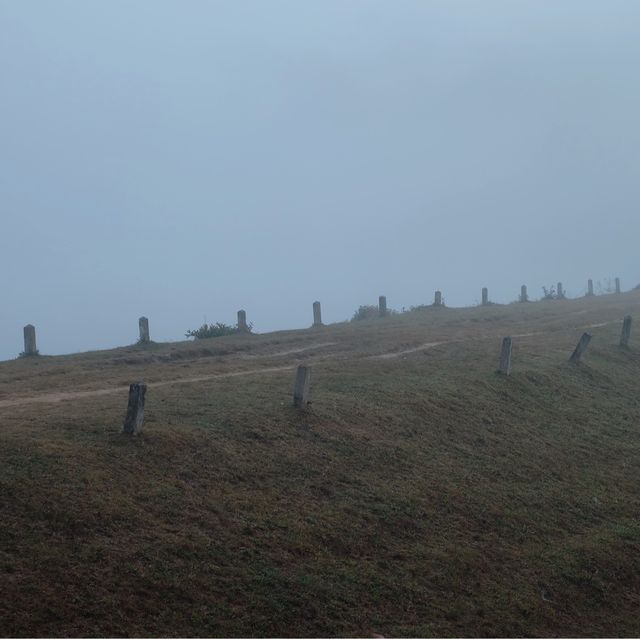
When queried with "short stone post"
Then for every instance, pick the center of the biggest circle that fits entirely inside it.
(505, 357)
(317, 314)
(590, 288)
(523, 294)
(243, 327)
(560, 291)
(437, 299)
(382, 306)
(617, 285)
(485, 296)
(30, 340)
(580, 348)
(301, 389)
(135, 409)
(626, 331)
(143, 326)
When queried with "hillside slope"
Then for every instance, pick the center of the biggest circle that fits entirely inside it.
(421, 494)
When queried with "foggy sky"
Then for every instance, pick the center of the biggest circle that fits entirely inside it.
(183, 160)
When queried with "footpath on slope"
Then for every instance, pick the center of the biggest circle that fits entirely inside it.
(46, 398)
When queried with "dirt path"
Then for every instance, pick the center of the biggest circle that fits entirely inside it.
(408, 351)
(49, 398)
(292, 351)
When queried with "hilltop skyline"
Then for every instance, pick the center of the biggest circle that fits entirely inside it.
(186, 164)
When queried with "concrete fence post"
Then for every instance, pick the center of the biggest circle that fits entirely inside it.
(524, 297)
(577, 354)
(505, 356)
(317, 314)
(301, 388)
(560, 291)
(485, 296)
(437, 299)
(143, 328)
(135, 409)
(626, 331)
(243, 327)
(590, 288)
(30, 347)
(618, 285)
(382, 306)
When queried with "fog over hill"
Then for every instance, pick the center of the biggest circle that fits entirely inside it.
(186, 160)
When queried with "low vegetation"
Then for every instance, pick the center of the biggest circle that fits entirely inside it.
(425, 307)
(214, 330)
(549, 293)
(365, 313)
(420, 495)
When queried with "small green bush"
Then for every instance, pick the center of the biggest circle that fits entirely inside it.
(218, 329)
(549, 293)
(368, 311)
(365, 312)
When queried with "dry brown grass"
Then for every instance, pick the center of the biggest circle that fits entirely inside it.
(421, 495)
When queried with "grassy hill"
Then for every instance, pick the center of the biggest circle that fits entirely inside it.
(421, 494)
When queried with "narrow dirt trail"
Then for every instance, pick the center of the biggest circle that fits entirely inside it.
(291, 351)
(407, 351)
(52, 398)
(49, 398)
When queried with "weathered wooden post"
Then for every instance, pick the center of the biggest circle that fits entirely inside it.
(626, 331)
(617, 285)
(135, 409)
(243, 327)
(382, 306)
(580, 348)
(485, 296)
(317, 314)
(590, 288)
(143, 326)
(437, 299)
(301, 388)
(523, 294)
(30, 340)
(560, 291)
(505, 357)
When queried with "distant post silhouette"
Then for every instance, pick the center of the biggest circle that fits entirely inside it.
(317, 314)
(382, 306)
(30, 340)
(437, 299)
(590, 288)
(485, 296)
(524, 297)
(560, 291)
(143, 327)
(243, 327)
(617, 285)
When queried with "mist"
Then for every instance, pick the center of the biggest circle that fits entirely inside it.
(185, 160)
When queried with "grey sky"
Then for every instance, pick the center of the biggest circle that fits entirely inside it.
(187, 159)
